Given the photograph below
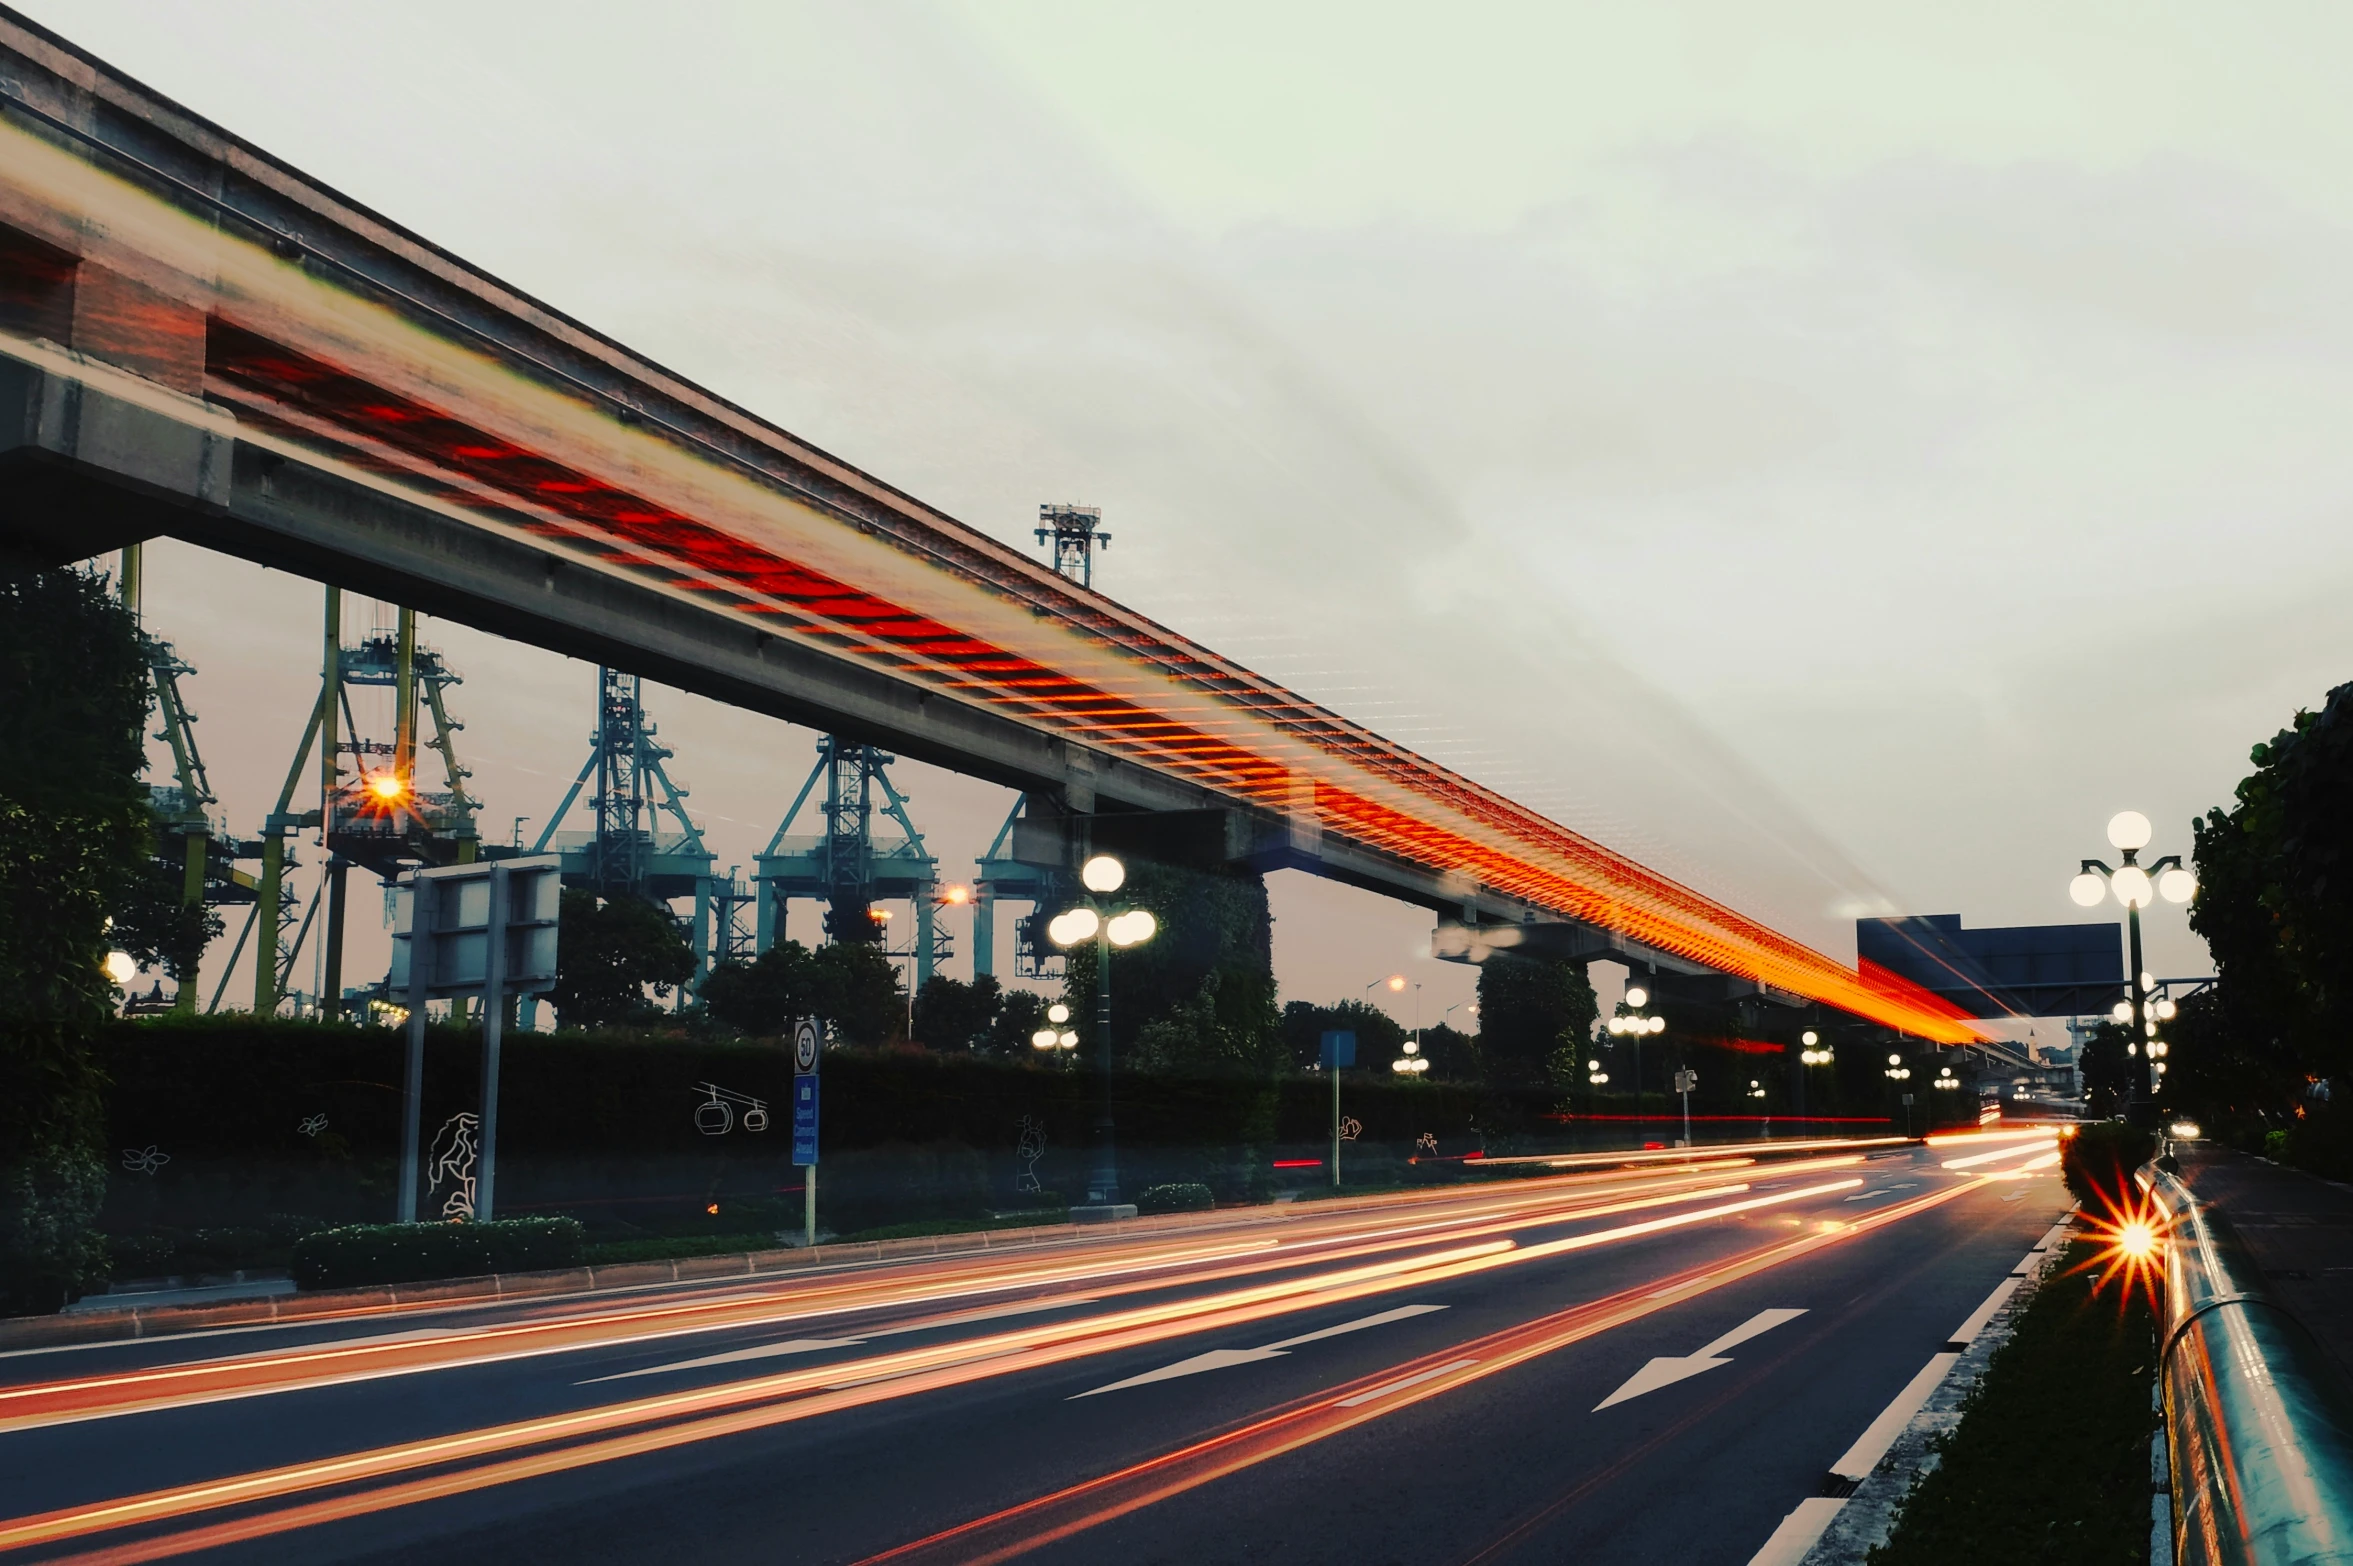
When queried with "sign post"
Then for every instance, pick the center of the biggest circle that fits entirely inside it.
(481, 930)
(1339, 1051)
(807, 1038)
(1685, 1080)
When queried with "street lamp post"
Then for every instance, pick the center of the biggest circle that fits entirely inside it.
(1631, 1023)
(1899, 1074)
(2128, 831)
(1102, 875)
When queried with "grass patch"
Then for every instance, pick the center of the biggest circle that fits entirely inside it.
(2050, 1461)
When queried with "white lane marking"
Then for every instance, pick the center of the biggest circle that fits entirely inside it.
(1219, 1359)
(731, 1357)
(819, 1345)
(1798, 1532)
(1873, 1443)
(1885, 1190)
(1402, 1383)
(1966, 1333)
(1666, 1372)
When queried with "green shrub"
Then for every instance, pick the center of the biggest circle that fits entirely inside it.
(372, 1253)
(1190, 1197)
(2275, 1145)
(140, 1255)
(2099, 1159)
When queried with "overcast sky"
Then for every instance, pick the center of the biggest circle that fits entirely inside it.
(1839, 454)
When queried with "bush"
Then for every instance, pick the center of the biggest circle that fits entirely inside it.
(140, 1255)
(1186, 1198)
(2099, 1159)
(372, 1253)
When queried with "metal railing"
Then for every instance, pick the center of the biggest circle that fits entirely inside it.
(2259, 1427)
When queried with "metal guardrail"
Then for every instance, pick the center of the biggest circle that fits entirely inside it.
(2259, 1427)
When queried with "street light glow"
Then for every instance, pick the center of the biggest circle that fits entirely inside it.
(2132, 887)
(1103, 874)
(121, 967)
(1044, 1038)
(1132, 928)
(1073, 926)
(2129, 830)
(2177, 885)
(387, 786)
(1058, 1013)
(2087, 889)
(1636, 995)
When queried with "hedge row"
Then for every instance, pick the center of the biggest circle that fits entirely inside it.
(364, 1254)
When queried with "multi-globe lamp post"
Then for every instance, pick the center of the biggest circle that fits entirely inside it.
(1101, 875)
(1631, 1023)
(2132, 885)
(1057, 1036)
(1898, 1073)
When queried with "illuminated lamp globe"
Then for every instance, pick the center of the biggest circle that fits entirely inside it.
(1072, 927)
(1057, 1012)
(1396, 982)
(121, 967)
(2122, 1012)
(2132, 887)
(1598, 1078)
(1636, 995)
(1133, 928)
(1103, 874)
(2148, 981)
(1809, 1038)
(2177, 885)
(1658, 1024)
(2166, 1011)
(2128, 829)
(1413, 1047)
(2150, 1028)
(1617, 1025)
(1044, 1038)
(1069, 1041)
(2087, 889)
(1895, 1060)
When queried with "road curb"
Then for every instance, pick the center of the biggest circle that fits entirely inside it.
(1870, 1514)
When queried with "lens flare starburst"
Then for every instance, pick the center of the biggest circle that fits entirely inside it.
(2127, 1228)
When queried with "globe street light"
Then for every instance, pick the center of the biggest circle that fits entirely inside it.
(1413, 1062)
(1056, 1037)
(2128, 830)
(1631, 1023)
(1102, 875)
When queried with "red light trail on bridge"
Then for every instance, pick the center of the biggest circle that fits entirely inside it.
(327, 375)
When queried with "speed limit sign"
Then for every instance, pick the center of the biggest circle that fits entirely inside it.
(806, 1038)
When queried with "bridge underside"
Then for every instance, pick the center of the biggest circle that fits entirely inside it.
(198, 341)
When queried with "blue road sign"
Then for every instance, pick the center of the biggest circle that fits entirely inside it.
(1339, 1050)
(805, 1119)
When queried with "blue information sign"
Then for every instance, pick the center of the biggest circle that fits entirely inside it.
(1339, 1050)
(805, 1118)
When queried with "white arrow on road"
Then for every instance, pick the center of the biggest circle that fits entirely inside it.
(1666, 1372)
(1219, 1359)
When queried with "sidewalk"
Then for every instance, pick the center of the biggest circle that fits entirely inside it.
(2299, 1230)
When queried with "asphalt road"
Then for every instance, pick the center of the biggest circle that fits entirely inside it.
(1613, 1366)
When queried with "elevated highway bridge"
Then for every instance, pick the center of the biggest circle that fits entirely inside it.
(198, 340)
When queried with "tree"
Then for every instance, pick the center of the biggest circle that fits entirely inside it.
(955, 1016)
(1208, 974)
(1021, 1014)
(2275, 907)
(74, 832)
(2106, 1069)
(762, 996)
(1530, 1008)
(609, 951)
(854, 987)
(154, 923)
